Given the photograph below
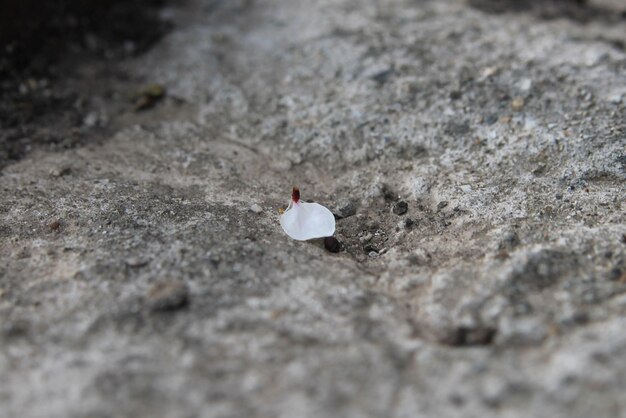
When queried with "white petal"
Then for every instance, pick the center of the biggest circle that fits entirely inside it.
(305, 221)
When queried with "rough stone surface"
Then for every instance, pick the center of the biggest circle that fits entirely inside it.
(503, 128)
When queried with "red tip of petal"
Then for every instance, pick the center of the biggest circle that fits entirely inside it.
(295, 195)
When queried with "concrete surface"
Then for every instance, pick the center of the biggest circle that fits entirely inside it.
(137, 279)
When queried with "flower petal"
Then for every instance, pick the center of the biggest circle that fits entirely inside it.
(304, 221)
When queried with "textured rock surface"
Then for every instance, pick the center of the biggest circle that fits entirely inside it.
(500, 292)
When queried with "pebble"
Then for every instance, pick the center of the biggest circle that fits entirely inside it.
(525, 84)
(517, 104)
(149, 96)
(491, 119)
(616, 98)
(91, 120)
(59, 171)
(55, 225)
(256, 208)
(332, 244)
(365, 238)
(400, 208)
(345, 209)
(168, 295)
(370, 248)
(505, 119)
(489, 72)
(136, 262)
(455, 94)
(382, 76)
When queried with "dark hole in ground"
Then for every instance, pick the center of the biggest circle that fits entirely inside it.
(41, 43)
(34, 34)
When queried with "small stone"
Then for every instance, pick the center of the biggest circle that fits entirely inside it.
(400, 208)
(442, 205)
(149, 96)
(491, 119)
(409, 223)
(256, 208)
(91, 119)
(489, 72)
(215, 259)
(539, 169)
(365, 238)
(616, 274)
(517, 104)
(382, 76)
(59, 171)
(466, 188)
(136, 262)
(573, 319)
(344, 209)
(55, 225)
(369, 248)
(525, 84)
(455, 95)
(168, 295)
(616, 98)
(332, 244)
